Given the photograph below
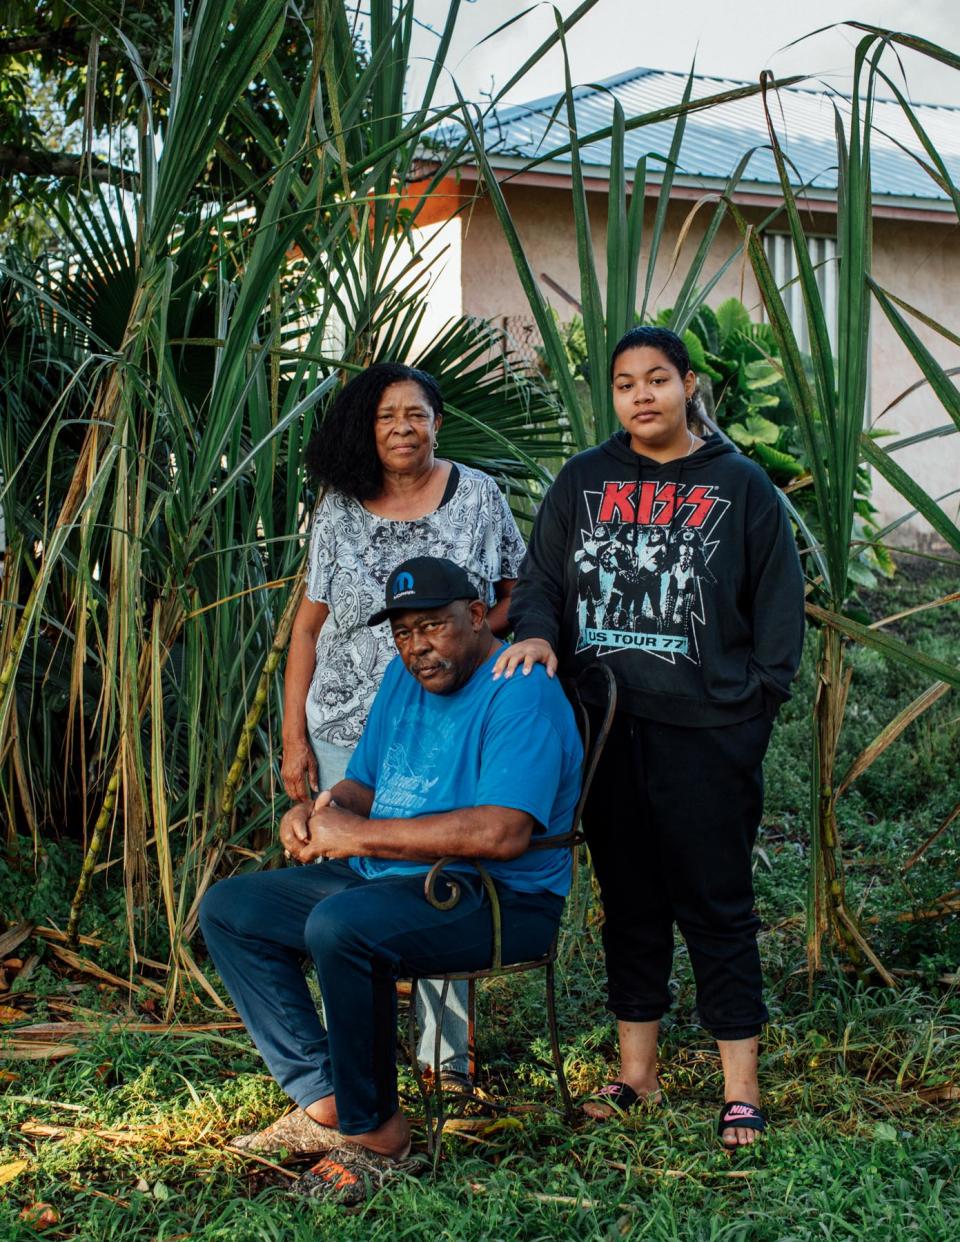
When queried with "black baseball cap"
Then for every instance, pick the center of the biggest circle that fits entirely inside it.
(424, 582)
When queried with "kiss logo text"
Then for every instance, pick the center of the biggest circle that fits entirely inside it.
(656, 504)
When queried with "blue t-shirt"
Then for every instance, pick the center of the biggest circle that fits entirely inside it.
(511, 743)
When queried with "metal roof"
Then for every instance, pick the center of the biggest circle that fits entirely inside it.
(716, 138)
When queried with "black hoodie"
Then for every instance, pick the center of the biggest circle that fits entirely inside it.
(683, 575)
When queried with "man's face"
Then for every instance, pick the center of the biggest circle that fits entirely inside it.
(441, 647)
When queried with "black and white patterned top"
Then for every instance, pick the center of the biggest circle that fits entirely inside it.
(352, 552)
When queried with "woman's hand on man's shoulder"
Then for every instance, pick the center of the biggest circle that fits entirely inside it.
(524, 655)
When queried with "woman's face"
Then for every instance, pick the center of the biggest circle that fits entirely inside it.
(650, 400)
(404, 428)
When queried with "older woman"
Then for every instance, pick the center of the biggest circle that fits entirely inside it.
(385, 497)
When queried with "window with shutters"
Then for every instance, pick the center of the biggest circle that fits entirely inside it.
(783, 263)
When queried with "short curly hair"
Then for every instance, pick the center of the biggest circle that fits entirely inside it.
(342, 452)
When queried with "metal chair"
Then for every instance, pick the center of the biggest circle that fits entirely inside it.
(592, 749)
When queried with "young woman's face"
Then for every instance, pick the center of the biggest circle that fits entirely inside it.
(404, 427)
(650, 400)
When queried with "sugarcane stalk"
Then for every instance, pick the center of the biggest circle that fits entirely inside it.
(281, 638)
(104, 820)
(827, 720)
(77, 491)
(828, 880)
(171, 619)
(235, 773)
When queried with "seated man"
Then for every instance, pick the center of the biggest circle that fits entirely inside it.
(451, 763)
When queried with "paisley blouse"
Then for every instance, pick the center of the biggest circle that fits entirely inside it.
(352, 552)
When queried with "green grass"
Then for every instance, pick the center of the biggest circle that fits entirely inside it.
(860, 1082)
(854, 1150)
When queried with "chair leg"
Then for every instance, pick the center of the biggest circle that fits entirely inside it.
(473, 1065)
(437, 1084)
(567, 1102)
(415, 1066)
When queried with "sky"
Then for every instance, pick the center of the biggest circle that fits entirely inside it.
(729, 38)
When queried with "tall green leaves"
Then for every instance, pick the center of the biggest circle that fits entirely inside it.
(828, 388)
(227, 46)
(606, 319)
(160, 382)
(164, 380)
(547, 325)
(830, 397)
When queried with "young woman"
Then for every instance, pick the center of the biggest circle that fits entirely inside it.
(668, 554)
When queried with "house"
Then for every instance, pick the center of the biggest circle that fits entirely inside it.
(916, 233)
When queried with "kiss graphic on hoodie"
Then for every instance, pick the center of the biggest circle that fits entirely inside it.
(642, 563)
(681, 576)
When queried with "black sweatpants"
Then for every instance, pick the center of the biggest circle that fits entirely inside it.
(671, 822)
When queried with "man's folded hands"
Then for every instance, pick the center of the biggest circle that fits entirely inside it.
(310, 832)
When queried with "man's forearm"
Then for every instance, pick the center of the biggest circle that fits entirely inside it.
(353, 796)
(493, 832)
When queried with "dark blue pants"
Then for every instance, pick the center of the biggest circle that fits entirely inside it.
(362, 936)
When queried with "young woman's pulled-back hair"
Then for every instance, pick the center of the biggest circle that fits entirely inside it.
(342, 452)
(672, 346)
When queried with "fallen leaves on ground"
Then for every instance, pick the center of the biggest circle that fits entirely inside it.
(40, 1215)
(9, 1171)
(944, 1093)
(32, 1050)
(14, 937)
(86, 967)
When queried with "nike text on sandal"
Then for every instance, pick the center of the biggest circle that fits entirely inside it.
(737, 1115)
(621, 1097)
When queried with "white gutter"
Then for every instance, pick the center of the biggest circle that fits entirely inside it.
(597, 178)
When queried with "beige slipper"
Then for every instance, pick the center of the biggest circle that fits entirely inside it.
(294, 1132)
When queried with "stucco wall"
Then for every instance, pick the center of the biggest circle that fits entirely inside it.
(920, 262)
(544, 220)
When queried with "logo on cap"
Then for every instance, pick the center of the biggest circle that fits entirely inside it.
(402, 584)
